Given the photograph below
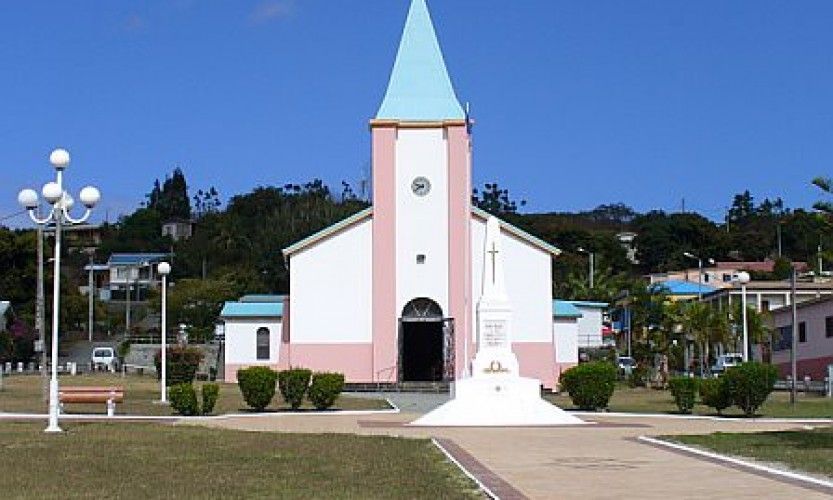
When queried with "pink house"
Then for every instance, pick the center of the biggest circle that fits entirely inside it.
(815, 338)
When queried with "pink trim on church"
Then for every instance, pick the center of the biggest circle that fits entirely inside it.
(355, 361)
(459, 242)
(537, 360)
(385, 315)
(285, 350)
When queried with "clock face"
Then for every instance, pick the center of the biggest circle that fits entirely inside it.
(421, 186)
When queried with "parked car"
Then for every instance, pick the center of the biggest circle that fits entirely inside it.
(726, 361)
(626, 364)
(105, 357)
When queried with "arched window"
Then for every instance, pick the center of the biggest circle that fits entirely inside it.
(262, 343)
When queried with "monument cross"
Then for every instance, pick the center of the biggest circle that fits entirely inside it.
(493, 252)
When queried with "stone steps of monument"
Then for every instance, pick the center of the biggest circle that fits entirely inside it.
(421, 387)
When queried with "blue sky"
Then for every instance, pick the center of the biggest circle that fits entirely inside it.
(577, 103)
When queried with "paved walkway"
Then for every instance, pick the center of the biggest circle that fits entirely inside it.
(597, 461)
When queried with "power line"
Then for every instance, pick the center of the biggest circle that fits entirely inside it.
(12, 216)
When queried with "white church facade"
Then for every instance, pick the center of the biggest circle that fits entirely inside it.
(389, 294)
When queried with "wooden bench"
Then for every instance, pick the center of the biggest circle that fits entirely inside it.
(92, 395)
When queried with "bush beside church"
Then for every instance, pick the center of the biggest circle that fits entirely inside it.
(258, 385)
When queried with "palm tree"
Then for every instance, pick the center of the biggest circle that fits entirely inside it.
(757, 324)
(707, 326)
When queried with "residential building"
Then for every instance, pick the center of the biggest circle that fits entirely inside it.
(627, 240)
(815, 338)
(136, 271)
(719, 274)
(178, 229)
(768, 295)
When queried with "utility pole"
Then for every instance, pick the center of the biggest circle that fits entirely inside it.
(794, 343)
(127, 299)
(780, 248)
(91, 295)
(821, 263)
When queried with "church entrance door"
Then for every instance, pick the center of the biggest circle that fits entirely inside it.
(424, 337)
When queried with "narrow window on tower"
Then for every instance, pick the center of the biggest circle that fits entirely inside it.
(420, 259)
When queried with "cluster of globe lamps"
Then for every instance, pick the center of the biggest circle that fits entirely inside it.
(58, 215)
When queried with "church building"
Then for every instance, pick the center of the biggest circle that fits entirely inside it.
(388, 295)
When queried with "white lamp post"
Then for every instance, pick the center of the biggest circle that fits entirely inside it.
(700, 272)
(164, 269)
(62, 203)
(743, 278)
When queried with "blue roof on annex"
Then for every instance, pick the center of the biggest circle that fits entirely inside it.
(564, 309)
(252, 310)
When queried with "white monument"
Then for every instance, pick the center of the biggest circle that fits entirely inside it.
(495, 394)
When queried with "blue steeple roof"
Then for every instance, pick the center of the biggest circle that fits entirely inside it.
(420, 88)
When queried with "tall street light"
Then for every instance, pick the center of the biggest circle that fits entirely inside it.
(61, 202)
(164, 269)
(699, 273)
(743, 278)
(592, 257)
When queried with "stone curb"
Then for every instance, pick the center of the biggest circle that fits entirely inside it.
(174, 418)
(795, 478)
(761, 420)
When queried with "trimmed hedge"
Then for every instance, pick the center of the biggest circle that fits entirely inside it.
(684, 390)
(324, 389)
(590, 385)
(210, 394)
(182, 364)
(183, 399)
(750, 384)
(293, 384)
(257, 385)
(714, 392)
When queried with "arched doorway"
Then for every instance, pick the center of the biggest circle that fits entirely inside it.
(423, 342)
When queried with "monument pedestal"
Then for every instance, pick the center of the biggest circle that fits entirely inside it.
(496, 401)
(495, 394)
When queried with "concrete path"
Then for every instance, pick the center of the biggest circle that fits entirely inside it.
(596, 461)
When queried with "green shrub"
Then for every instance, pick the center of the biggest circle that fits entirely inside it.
(123, 349)
(714, 392)
(684, 390)
(257, 385)
(210, 393)
(750, 384)
(293, 384)
(325, 389)
(183, 399)
(590, 385)
(182, 363)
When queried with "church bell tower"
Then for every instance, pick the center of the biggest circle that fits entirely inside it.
(421, 161)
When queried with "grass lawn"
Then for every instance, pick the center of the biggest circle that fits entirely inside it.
(22, 393)
(641, 400)
(810, 451)
(165, 461)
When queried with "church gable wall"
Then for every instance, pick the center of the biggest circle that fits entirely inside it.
(330, 289)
